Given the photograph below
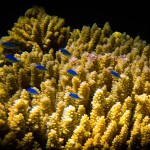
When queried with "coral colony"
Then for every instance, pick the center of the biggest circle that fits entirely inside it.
(85, 89)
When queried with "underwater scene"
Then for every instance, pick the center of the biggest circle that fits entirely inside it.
(72, 89)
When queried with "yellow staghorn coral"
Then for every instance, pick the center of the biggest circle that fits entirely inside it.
(36, 26)
(109, 113)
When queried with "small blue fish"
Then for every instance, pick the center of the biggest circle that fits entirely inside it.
(32, 91)
(11, 58)
(115, 74)
(8, 45)
(73, 95)
(65, 52)
(72, 72)
(40, 67)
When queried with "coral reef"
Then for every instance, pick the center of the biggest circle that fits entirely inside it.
(111, 113)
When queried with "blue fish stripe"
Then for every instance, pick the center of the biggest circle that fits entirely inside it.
(72, 72)
(11, 58)
(65, 52)
(40, 67)
(8, 45)
(73, 95)
(115, 74)
(32, 91)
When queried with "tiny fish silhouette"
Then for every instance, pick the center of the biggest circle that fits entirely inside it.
(11, 58)
(32, 91)
(72, 72)
(115, 74)
(8, 45)
(40, 67)
(64, 51)
(73, 95)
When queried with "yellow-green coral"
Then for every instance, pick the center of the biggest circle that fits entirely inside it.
(110, 114)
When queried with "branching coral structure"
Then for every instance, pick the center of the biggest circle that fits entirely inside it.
(104, 112)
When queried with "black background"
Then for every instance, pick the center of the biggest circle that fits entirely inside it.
(132, 17)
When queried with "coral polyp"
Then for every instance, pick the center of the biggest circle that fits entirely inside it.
(90, 110)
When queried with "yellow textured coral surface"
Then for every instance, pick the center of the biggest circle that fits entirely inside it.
(112, 113)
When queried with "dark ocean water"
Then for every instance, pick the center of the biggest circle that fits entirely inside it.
(132, 18)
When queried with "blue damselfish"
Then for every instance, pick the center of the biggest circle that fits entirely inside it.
(40, 67)
(32, 91)
(64, 51)
(73, 95)
(11, 58)
(72, 72)
(8, 45)
(115, 74)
